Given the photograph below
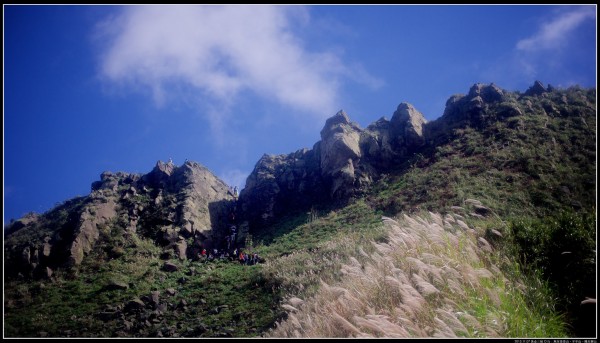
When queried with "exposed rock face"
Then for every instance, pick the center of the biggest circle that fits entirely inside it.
(280, 182)
(340, 166)
(201, 193)
(471, 108)
(95, 215)
(340, 153)
(339, 144)
(484, 104)
(169, 205)
(406, 127)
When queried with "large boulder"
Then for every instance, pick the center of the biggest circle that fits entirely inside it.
(340, 153)
(205, 201)
(406, 127)
(488, 93)
(181, 249)
(339, 143)
(376, 144)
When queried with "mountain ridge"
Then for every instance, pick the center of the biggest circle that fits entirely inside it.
(346, 162)
(519, 153)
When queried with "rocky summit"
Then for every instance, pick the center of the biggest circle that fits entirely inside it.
(339, 167)
(173, 205)
(347, 159)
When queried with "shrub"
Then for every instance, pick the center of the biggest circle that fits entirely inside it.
(562, 249)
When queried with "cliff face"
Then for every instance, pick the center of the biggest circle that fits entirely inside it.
(339, 167)
(172, 205)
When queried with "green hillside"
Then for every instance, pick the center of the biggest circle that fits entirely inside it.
(518, 191)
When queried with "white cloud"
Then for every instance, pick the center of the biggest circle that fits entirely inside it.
(220, 52)
(554, 33)
(547, 54)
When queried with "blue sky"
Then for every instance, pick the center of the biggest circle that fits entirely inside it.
(95, 88)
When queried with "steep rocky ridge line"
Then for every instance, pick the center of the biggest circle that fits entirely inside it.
(180, 207)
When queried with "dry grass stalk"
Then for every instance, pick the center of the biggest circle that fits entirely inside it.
(289, 308)
(483, 244)
(388, 293)
(470, 321)
(442, 330)
(294, 320)
(346, 325)
(424, 287)
(452, 322)
(462, 224)
(483, 273)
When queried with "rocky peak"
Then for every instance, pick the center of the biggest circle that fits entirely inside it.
(165, 168)
(488, 93)
(340, 166)
(339, 139)
(340, 122)
(407, 120)
(169, 205)
(461, 109)
(110, 181)
(537, 89)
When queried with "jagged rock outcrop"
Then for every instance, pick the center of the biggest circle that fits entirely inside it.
(95, 215)
(340, 153)
(470, 109)
(280, 182)
(385, 143)
(340, 166)
(339, 143)
(169, 205)
(537, 89)
(407, 125)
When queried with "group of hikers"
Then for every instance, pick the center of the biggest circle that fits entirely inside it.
(243, 257)
(230, 249)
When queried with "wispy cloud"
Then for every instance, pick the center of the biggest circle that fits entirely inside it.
(547, 53)
(219, 52)
(553, 33)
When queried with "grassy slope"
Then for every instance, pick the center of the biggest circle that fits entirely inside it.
(526, 168)
(530, 165)
(71, 305)
(420, 281)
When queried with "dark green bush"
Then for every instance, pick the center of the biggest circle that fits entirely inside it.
(562, 248)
